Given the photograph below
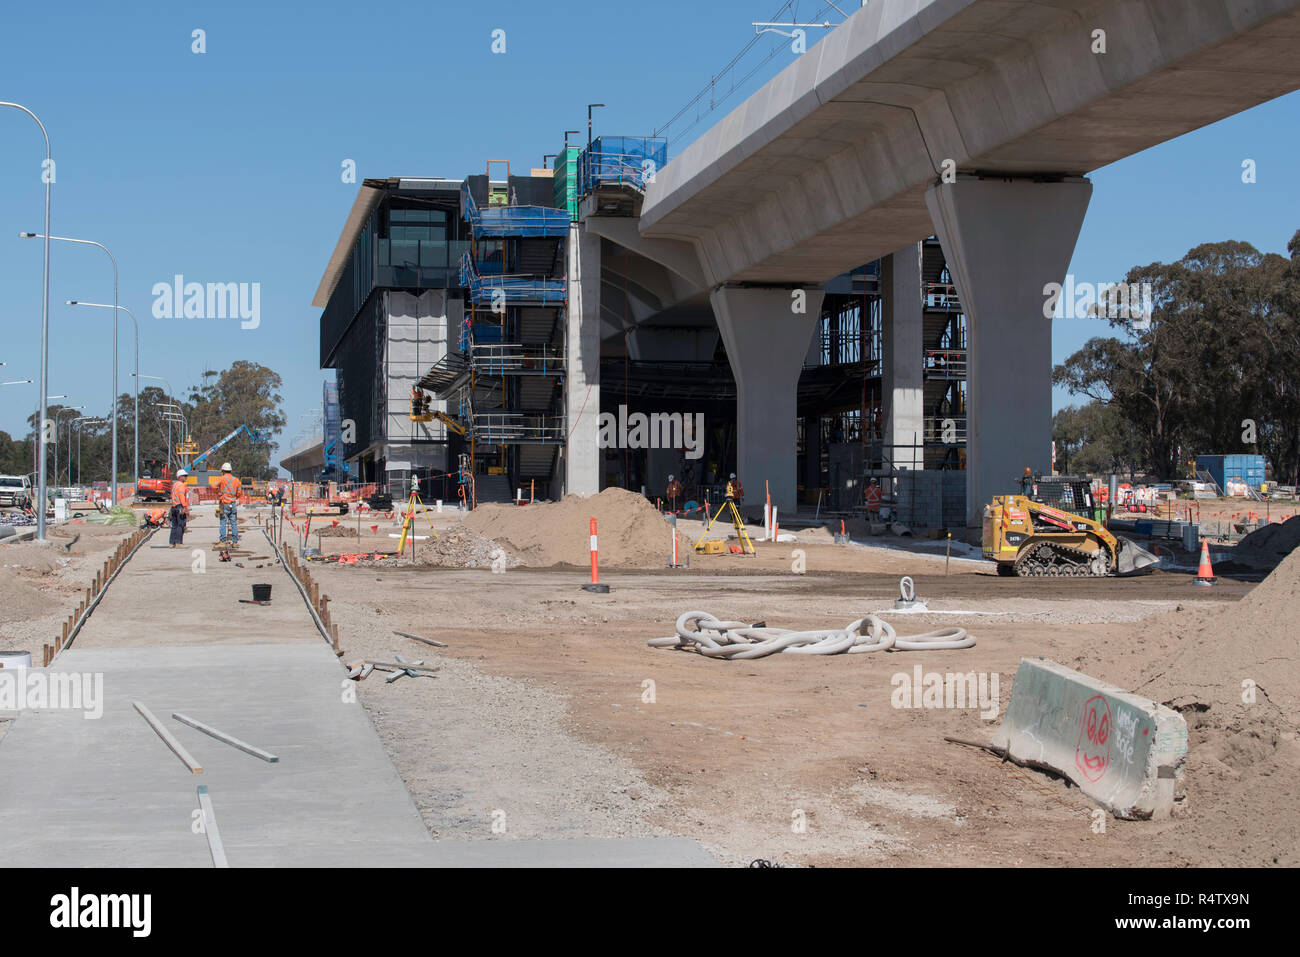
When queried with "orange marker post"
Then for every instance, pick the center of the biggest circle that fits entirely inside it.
(595, 585)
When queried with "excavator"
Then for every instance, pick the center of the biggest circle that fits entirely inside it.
(1046, 531)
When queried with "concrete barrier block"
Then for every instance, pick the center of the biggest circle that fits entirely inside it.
(1125, 752)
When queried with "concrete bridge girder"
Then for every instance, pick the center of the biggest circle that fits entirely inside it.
(807, 174)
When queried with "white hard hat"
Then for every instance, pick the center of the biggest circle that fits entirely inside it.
(670, 478)
(180, 472)
(225, 466)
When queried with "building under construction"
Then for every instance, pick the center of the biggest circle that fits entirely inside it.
(483, 330)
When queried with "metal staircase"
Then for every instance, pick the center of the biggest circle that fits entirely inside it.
(505, 380)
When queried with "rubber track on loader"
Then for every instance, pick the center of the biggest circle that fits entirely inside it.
(1069, 562)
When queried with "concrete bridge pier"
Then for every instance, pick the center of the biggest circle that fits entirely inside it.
(903, 346)
(582, 454)
(1005, 240)
(766, 331)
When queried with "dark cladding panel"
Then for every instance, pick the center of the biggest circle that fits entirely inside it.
(532, 191)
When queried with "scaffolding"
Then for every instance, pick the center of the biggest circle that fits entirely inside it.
(504, 380)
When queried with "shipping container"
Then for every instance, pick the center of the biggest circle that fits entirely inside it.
(1226, 468)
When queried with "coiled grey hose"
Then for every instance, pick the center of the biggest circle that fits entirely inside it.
(699, 631)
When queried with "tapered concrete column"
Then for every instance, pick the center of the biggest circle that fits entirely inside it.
(766, 342)
(582, 372)
(904, 406)
(1005, 240)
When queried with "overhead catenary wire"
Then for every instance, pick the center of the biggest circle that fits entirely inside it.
(701, 632)
(710, 89)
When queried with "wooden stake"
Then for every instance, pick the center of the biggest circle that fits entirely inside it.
(334, 633)
(168, 739)
(225, 738)
(215, 847)
(427, 641)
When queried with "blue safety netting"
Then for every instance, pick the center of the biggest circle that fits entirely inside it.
(507, 221)
(621, 161)
(518, 290)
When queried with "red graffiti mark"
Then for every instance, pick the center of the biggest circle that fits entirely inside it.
(1092, 754)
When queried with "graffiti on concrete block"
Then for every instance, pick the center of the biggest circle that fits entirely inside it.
(1092, 755)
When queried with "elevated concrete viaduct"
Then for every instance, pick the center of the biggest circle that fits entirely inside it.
(973, 119)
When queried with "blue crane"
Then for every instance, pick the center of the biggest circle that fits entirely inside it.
(257, 435)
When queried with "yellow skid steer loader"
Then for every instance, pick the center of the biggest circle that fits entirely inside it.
(1053, 529)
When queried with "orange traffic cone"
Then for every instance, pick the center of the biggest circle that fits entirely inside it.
(1205, 574)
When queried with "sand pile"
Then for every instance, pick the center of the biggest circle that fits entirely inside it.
(632, 533)
(459, 547)
(1269, 545)
(335, 531)
(1212, 652)
(1243, 758)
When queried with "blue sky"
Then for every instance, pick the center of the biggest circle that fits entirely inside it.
(225, 166)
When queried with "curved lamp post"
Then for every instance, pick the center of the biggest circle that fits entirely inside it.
(90, 242)
(135, 375)
(45, 323)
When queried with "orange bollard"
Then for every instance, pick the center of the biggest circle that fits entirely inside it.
(595, 585)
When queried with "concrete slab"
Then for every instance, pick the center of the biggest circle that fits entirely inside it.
(185, 595)
(108, 792)
(1123, 751)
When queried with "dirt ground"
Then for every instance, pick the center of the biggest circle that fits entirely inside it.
(40, 585)
(548, 711)
(551, 707)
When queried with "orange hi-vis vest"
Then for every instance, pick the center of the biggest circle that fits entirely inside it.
(180, 495)
(873, 498)
(229, 488)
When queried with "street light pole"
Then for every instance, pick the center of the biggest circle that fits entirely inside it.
(590, 107)
(135, 375)
(90, 242)
(157, 378)
(70, 408)
(48, 177)
(83, 418)
(37, 445)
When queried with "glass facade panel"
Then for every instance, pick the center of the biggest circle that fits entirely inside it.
(404, 252)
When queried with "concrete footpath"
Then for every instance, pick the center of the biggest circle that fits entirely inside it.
(106, 791)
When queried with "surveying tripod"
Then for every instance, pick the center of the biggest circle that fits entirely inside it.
(408, 523)
(729, 505)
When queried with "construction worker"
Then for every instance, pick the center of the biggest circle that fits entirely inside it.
(228, 491)
(673, 492)
(872, 497)
(735, 490)
(180, 509)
